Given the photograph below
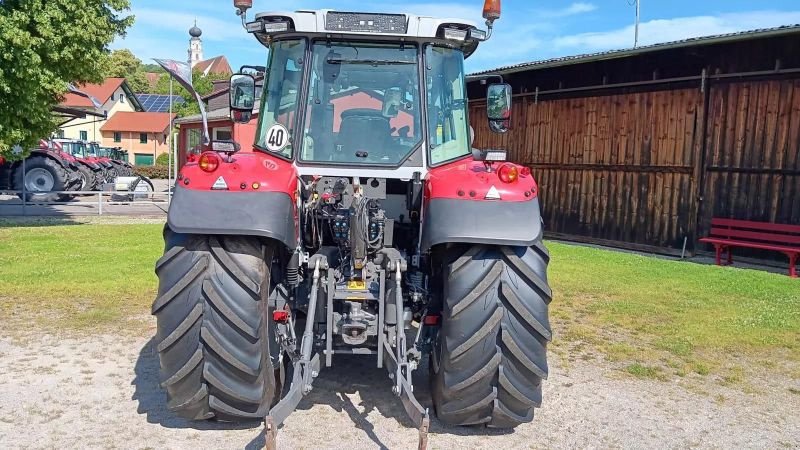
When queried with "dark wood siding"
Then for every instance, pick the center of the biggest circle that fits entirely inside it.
(752, 163)
(616, 167)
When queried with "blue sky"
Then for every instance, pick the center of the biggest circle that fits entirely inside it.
(529, 29)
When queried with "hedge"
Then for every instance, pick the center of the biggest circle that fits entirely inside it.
(163, 159)
(152, 172)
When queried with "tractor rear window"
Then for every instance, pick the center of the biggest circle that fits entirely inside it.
(448, 126)
(363, 104)
(282, 89)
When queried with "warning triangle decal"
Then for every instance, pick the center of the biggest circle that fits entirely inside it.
(220, 184)
(493, 194)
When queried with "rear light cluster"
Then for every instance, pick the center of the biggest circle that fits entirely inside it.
(508, 173)
(209, 162)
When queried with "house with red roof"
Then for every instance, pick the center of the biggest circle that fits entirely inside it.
(142, 134)
(120, 121)
(113, 94)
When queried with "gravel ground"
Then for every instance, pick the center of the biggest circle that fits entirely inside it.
(102, 392)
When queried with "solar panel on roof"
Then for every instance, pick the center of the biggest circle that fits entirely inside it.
(157, 102)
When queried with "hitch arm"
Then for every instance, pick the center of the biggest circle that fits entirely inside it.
(305, 370)
(400, 370)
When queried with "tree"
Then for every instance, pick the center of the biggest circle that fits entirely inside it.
(44, 45)
(124, 64)
(202, 84)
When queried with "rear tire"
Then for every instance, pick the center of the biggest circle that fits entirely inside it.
(53, 177)
(214, 330)
(88, 180)
(489, 359)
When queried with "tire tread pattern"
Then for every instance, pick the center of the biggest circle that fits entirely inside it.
(490, 357)
(213, 328)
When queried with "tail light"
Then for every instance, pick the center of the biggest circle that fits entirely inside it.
(209, 162)
(508, 173)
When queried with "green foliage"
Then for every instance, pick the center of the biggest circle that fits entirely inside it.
(163, 159)
(44, 45)
(157, 172)
(152, 68)
(202, 84)
(124, 64)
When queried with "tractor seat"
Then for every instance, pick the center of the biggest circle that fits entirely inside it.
(364, 130)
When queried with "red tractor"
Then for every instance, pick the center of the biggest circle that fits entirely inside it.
(362, 222)
(46, 170)
(94, 171)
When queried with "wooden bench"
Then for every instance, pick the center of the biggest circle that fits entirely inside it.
(728, 233)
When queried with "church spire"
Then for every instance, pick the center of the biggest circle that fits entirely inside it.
(195, 45)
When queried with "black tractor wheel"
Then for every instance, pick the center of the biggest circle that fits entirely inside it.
(489, 359)
(214, 329)
(88, 179)
(42, 176)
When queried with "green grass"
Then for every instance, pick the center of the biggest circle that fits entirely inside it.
(650, 317)
(77, 276)
(686, 317)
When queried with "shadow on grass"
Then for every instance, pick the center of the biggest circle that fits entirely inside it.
(350, 374)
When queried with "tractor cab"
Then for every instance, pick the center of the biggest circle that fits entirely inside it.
(359, 92)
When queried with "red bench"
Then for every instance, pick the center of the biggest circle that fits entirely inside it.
(728, 233)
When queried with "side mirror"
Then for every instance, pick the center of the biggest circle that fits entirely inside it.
(242, 93)
(498, 107)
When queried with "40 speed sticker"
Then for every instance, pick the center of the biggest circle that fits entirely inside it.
(277, 138)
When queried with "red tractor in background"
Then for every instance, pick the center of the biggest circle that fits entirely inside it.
(46, 169)
(362, 222)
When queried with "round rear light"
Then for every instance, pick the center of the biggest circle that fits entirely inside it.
(209, 162)
(508, 173)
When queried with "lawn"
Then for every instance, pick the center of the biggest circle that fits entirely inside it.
(78, 276)
(650, 317)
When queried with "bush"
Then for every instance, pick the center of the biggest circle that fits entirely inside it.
(163, 159)
(152, 172)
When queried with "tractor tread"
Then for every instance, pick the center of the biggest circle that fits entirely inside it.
(515, 389)
(229, 410)
(198, 268)
(214, 296)
(480, 374)
(217, 382)
(168, 256)
(472, 407)
(185, 370)
(176, 403)
(212, 326)
(480, 289)
(232, 267)
(217, 347)
(490, 355)
(184, 327)
(478, 336)
(515, 349)
(525, 314)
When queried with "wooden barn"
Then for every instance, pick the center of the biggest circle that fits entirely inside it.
(640, 148)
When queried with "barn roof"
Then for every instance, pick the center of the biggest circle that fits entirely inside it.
(612, 54)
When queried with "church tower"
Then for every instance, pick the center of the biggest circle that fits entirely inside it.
(195, 45)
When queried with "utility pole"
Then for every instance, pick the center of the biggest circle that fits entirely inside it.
(636, 26)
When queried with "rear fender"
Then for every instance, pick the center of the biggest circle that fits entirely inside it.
(51, 155)
(461, 206)
(258, 199)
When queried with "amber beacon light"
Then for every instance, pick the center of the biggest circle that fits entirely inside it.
(491, 10)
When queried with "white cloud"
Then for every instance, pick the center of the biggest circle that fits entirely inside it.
(571, 10)
(666, 30)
